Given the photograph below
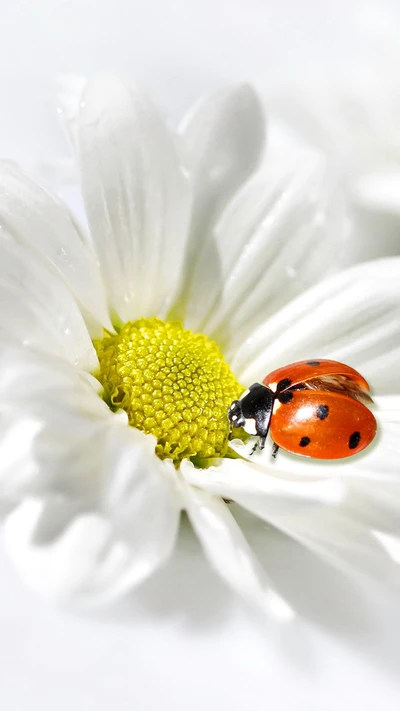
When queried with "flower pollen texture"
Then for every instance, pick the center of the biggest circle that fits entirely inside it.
(173, 383)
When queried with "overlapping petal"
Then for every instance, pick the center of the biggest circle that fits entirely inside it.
(254, 478)
(38, 310)
(140, 496)
(353, 317)
(74, 556)
(137, 196)
(313, 512)
(52, 421)
(223, 137)
(334, 536)
(44, 226)
(230, 554)
(95, 512)
(284, 231)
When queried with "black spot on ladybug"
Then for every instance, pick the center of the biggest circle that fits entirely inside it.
(322, 412)
(285, 397)
(313, 362)
(354, 440)
(304, 441)
(283, 384)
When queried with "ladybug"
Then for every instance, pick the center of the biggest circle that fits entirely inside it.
(314, 408)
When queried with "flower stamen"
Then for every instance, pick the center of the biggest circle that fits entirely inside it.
(172, 383)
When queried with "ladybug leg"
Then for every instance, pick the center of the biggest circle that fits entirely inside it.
(254, 448)
(260, 444)
(275, 448)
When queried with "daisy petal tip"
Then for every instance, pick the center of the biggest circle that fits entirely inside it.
(106, 90)
(248, 114)
(251, 102)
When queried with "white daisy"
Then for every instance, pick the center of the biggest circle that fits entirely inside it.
(189, 234)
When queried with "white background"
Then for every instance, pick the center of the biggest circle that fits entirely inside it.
(183, 641)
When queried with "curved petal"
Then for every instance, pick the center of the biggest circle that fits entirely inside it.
(224, 139)
(315, 514)
(136, 194)
(332, 534)
(283, 232)
(77, 557)
(42, 224)
(229, 553)
(140, 494)
(52, 423)
(69, 548)
(235, 477)
(353, 316)
(375, 504)
(38, 311)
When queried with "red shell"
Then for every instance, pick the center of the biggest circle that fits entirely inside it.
(345, 428)
(304, 370)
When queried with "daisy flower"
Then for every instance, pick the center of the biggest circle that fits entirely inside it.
(204, 267)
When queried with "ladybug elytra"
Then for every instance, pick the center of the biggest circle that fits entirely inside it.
(314, 408)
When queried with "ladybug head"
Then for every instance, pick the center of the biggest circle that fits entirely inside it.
(235, 414)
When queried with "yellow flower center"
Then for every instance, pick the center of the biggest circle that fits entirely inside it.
(172, 383)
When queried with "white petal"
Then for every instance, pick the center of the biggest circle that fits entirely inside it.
(316, 520)
(224, 138)
(52, 423)
(332, 534)
(136, 194)
(42, 224)
(92, 557)
(353, 317)
(341, 535)
(236, 477)
(374, 503)
(229, 553)
(283, 232)
(140, 494)
(37, 309)
(83, 564)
